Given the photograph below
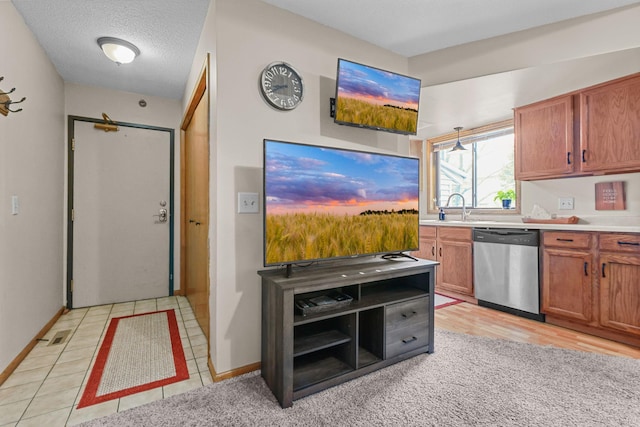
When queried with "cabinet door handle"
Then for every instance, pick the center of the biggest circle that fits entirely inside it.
(568, 157)
(603, 264)
(406, 316)
(440, 251)
(433, 251)
(629, 243)
(564, 240)
(408, 340)
(583, 156)
(586, 266)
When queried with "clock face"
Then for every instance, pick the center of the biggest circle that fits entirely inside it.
(281, 86)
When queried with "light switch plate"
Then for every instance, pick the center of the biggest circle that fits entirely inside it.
(248, 203)
(15, 205)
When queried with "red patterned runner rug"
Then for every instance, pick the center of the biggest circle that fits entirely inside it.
(442, 301)
(139, 352)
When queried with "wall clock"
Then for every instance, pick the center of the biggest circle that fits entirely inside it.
(281, 86)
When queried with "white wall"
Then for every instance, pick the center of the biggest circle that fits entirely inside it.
(32, 168)
(92, 101)
(546, 193)
(248, 36)
(538, 53)
(576, 38)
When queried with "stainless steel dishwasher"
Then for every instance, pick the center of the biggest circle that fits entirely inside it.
(505, 270)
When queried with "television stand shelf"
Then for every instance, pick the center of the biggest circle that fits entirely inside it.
(389, 319)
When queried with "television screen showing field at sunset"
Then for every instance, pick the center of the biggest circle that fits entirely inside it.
(325, 202)
(370, 97)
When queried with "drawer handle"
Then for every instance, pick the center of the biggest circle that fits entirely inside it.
(408, 340)
(603, 265)
(629, 243)
(564, 240)
(586, 265)
(406, 316)
(568, 157)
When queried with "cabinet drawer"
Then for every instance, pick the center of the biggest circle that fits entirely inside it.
(401, 314)
(454, 233)
(561, 239)
(406, 326)
(428, 231)
(620, 242)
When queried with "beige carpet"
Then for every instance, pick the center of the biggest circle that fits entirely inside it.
(468, 381)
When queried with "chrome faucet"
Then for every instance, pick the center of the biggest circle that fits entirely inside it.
(464, 210)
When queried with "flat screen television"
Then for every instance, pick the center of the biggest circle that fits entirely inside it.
(372, 98)
(325, 203)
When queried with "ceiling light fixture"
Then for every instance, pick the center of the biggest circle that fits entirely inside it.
(117, 50)
(458, 146)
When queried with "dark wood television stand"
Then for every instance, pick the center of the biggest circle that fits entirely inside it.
(390, 319)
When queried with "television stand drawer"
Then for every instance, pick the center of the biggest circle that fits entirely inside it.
(406, 326)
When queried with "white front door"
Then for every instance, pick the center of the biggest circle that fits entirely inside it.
(121, 184)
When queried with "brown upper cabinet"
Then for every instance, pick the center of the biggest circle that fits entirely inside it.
(544, 139)
(592, 131)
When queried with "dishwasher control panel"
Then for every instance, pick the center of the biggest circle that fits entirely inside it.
(506, 236)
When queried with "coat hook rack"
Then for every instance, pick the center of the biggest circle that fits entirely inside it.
(6, 102)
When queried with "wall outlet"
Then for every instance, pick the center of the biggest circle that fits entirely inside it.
(248, 203)
(565, 203)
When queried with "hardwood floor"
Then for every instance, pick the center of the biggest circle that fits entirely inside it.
(475, 320)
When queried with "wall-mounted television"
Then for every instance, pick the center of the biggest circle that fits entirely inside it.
(325, 203)
(377, 99)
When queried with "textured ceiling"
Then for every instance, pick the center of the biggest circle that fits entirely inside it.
(167, 31)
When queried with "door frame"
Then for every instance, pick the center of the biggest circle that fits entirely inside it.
(70, 192)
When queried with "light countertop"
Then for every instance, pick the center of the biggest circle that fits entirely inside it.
(625, 227)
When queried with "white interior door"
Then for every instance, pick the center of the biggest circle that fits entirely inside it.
(120, 243)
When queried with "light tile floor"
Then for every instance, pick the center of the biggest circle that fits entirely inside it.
(46, 387)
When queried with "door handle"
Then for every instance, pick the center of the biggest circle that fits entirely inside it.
(162, 215)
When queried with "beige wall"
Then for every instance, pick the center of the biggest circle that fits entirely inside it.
(248, 36)
(32, 168)
(92, 101)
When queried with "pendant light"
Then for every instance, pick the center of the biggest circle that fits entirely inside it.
(458, 146)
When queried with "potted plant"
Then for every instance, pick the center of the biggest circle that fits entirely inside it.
(506, 197)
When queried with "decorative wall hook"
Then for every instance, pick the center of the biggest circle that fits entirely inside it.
(7, 93)
(5, 101)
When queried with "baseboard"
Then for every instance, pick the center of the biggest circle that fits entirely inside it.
(232, 373)
(598, 332)
(178, 292)
(23, 354)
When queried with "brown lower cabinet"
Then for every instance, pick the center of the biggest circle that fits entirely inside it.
(567, 275)
(619, 266)
(591, 282)
(452, 247)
